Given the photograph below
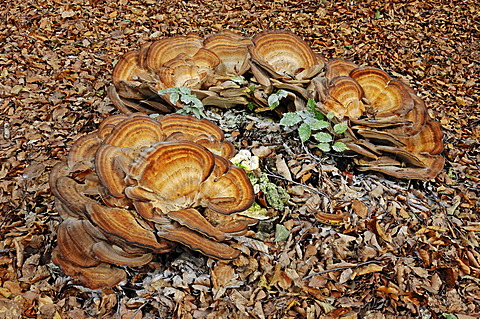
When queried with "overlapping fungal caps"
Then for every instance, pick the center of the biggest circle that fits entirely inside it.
(388, 124)
(137, 186)
(206, 66)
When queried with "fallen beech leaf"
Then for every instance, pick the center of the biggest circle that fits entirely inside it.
(382, 233)
(370, 268)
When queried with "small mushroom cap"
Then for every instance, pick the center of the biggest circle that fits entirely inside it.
(197, 242)
(282, 53)
(173, 169)
(164, 50)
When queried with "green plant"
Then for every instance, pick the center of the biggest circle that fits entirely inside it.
(312, 123)
(190, 102)
(274, 98)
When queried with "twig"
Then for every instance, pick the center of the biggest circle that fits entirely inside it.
(340, 268)
(271, 174)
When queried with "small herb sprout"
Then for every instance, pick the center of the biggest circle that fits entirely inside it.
(274, 98)
(189, 101)
(311, 123)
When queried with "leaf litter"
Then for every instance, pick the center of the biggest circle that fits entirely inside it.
(344, 245)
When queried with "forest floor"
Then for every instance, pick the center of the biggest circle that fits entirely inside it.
(395, 249)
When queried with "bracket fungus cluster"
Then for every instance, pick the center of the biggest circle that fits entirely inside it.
(389, 126)
(137, 186)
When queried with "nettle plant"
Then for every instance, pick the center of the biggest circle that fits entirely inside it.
(313, 124)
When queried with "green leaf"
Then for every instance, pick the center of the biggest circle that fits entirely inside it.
(251, 106)
(318, 115)
(185, 90)
(330, 115)
(311, 104)
(449, 316)
(340, 128)
(377, 15)
(324, 147)
(319, 125)
(290, 119)
(273, 101)
(168, 91)
(305, 114)
(339, 147)
(323, 137)
(281, 233)
(174, 97)
(305, 132)
(281, 94)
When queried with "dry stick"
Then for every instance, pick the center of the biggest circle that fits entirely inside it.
(271, 174)
(340, 268)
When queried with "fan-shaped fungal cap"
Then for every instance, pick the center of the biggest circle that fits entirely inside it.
(135, 132)
(115, 255)
(122, 225)
(101, 276)
(189, 125)
(227, 192)
(172, 170)
(83, 149)
(283, 54)
(111, 168)
(344, 98)
(387, 97)
(192, 219)
(203, 132)
(433, 166)
(179, 72)
(127, 70)
(339, 67)
(162, 51)
(75, 244)
(428, 140)
(195, 241)
(232, 51)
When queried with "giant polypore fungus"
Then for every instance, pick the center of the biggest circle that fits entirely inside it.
(389, 126)
(138, 186)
